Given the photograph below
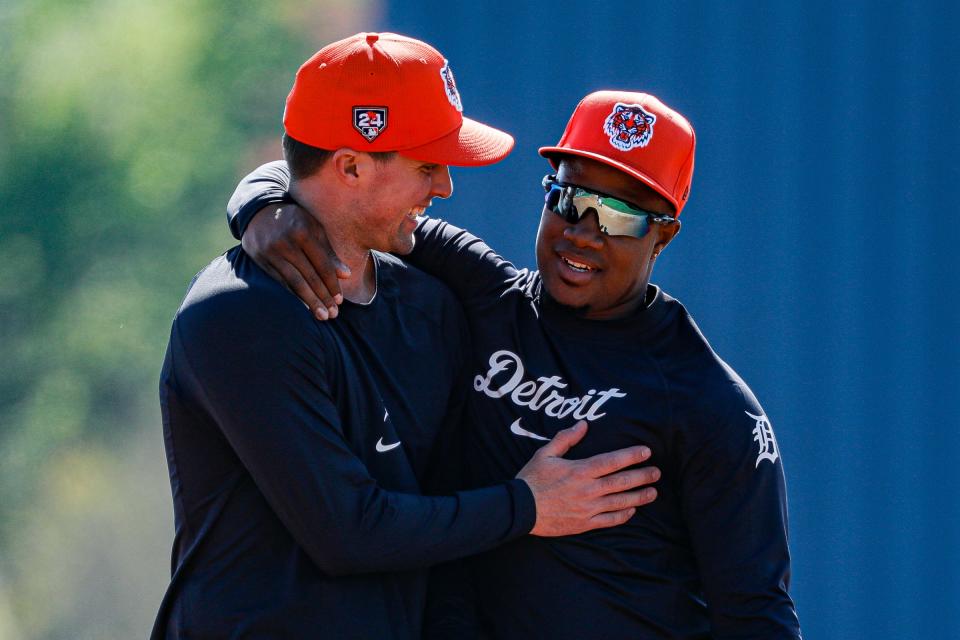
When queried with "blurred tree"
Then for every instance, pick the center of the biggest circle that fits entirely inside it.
(123, 128)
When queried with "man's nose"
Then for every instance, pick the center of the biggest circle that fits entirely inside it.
(442, 186)
(586, 232)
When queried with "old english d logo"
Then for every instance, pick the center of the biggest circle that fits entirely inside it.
(766, 440)
(370, 121)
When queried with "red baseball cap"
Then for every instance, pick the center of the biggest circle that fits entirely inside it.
(635, 133)
(387, 92)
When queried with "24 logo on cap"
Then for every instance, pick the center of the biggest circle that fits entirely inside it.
(370, 121)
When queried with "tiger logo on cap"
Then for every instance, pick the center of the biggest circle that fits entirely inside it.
(450, 86)
(629, 126)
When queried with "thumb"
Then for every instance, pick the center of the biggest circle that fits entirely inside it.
(343, 271)
(565, 440)
(318, 232)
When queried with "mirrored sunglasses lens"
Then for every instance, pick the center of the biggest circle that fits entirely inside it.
(613, 216)
(566, 207)
(558, 200)
(552, 199)
(614, 223)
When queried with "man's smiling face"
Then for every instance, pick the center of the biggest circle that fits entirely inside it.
(400, 190)
(603, 276)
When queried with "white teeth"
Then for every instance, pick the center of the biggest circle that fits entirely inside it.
(416, 212)
(577, 266)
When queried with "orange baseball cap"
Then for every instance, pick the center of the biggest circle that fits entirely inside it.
(635, 133)
(387, 92)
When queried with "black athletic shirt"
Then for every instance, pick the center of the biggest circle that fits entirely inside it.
(709, 558)
(298, 451)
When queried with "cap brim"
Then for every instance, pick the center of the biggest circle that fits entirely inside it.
(470, 145)
(551, 153)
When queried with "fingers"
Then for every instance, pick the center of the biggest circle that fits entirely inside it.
(627, 480)
(304, 244)
(604, 464)
(621, 507)
(318, 291)
(611, 518)
(324, 258)
(323, 267)
(627, 499)
(573, 496)
(291, 243)
(564, 441)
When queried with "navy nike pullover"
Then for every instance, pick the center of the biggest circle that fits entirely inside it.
(298, 452)
(708, 559)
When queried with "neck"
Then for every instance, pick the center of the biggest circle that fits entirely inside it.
(361, 286)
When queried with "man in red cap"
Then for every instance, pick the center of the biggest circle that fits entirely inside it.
(588, 337)
(302, 454)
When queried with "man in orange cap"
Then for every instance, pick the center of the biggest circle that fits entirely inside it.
(300, 452)
(588, 337)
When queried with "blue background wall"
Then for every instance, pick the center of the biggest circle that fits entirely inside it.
(818, 253)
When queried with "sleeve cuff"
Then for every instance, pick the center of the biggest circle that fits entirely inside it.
(524, 507)
(239, 222)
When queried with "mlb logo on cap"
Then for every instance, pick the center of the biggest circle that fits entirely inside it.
(370, 121)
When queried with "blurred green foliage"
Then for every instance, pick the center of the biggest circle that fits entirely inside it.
(123, 129)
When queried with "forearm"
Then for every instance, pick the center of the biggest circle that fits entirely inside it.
(464, 262)
(279, 417)
(346, 521)
(398, 532)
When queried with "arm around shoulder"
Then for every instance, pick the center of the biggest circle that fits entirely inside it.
(464, 262)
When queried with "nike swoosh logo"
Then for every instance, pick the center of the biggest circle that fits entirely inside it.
(520, 431)
(383, 448)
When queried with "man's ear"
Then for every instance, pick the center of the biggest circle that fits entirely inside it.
(666, 233)
(349, 165)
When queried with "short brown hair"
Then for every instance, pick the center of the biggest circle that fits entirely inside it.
(305, 160)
